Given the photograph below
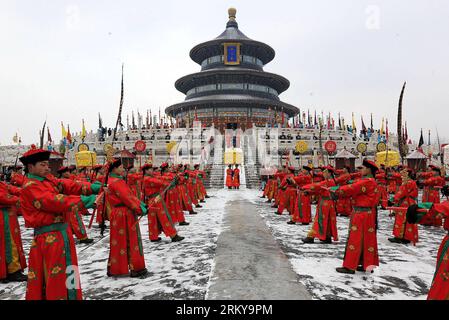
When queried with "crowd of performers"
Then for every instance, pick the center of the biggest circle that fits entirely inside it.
(233, 177)
(54, 206)
(357, 196)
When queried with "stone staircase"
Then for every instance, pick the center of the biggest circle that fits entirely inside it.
(252, 168)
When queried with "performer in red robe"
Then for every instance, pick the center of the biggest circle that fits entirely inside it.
(393, 181)
(52, 271)
(159, 219)
(126, 252)
(229, 177)
(302, 209)
(433, 186)
(381, 180)
(406, 196)
(74, 217)
(12, 257)
(344, 207)
(361, 247)
(287, 191)
(325, 221)
(236, 177)
(439, 289)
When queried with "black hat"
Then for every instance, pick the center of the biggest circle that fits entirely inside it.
(114, 164)
(35, 155)
(371, 164)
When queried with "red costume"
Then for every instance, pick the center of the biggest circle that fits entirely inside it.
(344, 206)
(12, 257)
(433, 186)
(394, 181)
(439, 289)
(126, 251)
(236, 178)
(302, 209)
(325, 221)
(286, 193)
(159, 218)
(381, 180)
(53, 249)
(361, 246)
(229, 180)
(405, 197)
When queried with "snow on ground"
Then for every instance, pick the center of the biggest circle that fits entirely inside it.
(405, 271)
(179, 270)
(182, 270)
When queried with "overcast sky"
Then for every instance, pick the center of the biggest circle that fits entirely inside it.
(62, 59)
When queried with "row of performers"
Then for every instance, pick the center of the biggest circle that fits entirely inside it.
(233, 177)
(53, 207)
(358, 196)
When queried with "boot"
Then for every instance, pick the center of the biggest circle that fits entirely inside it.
(202, 201)
(207, 197)
(177, 238)
(262, 197)
(305, 223)
(17, 276)
(345, 270)
(279, 214)
(308, 240)
(184, 223)
(87, 241)
(405, 241)
(360, 268)
(328, 240)
(291, 222)
(198, 206)
(139, 274)
(268, 201)
(395, 240)
(193, 212)
(157, 240)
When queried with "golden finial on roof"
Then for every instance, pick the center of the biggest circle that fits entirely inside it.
(232, 12)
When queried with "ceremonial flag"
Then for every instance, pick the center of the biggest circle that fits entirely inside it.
(133, 120)
(151, 119)
(372, 127)
(429, 139)
(147, 124)
(64, 133)
(339, 121)
(69, 136)
(421, 141)
(100, 122)
(308, 117)
(48, 135)
(315, 121)
(406, 133)
(160, 119)
(15, 139)
(364, 130)
(386, 134)
(382, 127)
(353, 123)
(283, 116)
(83, 132)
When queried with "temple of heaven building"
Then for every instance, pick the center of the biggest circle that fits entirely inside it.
(232, 90)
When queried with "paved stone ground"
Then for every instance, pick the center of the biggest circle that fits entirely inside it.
(249, 264)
